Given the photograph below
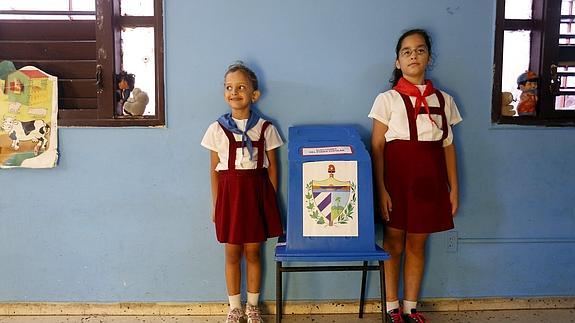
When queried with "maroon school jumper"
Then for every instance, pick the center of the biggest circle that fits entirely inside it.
(246, 207)
(416, 177)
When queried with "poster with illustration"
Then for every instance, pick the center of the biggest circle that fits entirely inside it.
(330, 205)
(28, 117)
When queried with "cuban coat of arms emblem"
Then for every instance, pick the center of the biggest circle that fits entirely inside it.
(330, 198)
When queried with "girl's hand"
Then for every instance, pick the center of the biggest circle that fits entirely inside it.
(214, 215)
(454, 199)
(385, 205)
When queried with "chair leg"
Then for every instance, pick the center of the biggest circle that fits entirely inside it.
(279, 291)
(362, 293)
(383, 295)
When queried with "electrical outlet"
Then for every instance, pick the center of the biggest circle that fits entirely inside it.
(452, 239)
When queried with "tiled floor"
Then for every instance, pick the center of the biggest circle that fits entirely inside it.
(526, 316)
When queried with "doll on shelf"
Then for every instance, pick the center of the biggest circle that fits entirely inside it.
(125, 85)
(527, 83)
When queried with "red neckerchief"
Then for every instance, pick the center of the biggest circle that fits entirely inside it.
(405, 87)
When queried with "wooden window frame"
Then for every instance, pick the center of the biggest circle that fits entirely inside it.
(101, 112)
(544, 52)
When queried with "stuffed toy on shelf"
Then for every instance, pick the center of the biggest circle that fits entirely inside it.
(507, 109)
(136, 104)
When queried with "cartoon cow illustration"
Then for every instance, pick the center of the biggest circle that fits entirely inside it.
(35, 130)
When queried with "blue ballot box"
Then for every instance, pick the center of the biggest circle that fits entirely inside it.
(330, 206)
(330, 195)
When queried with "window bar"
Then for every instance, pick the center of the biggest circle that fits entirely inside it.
(29, 14)
(47, 13)
(570, 24)
(564, 90)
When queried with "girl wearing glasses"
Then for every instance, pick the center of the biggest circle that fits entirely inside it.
(415, 170)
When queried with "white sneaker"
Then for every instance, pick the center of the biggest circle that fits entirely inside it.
(253, 314)
(235, 316)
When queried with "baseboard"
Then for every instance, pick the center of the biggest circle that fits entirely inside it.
(290, 307)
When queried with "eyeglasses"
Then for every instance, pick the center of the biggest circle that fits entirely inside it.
(406, 52)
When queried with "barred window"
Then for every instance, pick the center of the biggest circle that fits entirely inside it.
(536, 36)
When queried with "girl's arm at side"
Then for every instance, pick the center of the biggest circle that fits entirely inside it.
(214, 160)
(273, 167)
(451, 163)
(377, 148)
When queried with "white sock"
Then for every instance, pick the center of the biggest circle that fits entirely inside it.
(408, 306)
(253, 298)
(392, 305)
(235, 301)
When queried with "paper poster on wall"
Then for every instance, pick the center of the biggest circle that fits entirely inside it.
(29, 115)
(330, 205)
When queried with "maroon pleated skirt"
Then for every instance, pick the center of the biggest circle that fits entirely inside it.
(416, 179)
(246, 207)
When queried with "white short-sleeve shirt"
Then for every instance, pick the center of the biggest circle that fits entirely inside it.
(389, 109)
(215, 140)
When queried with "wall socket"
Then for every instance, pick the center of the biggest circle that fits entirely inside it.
(452, 239)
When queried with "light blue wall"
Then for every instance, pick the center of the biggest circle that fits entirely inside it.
(126, 214)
